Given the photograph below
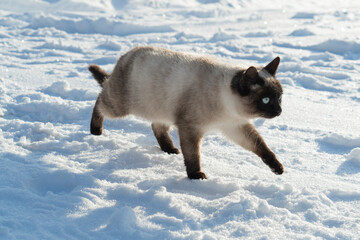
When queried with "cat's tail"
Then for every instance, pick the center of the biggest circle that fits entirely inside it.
(99, 74)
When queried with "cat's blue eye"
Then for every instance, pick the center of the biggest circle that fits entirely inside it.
(266, 100)
(279, 99)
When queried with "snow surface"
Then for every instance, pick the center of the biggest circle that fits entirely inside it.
(59, 182)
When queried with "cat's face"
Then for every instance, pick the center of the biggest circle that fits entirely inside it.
(265, 101)
(261, 91)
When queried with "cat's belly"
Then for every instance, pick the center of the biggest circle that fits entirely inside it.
(154, 114)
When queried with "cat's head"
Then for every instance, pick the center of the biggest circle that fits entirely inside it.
(260, 91)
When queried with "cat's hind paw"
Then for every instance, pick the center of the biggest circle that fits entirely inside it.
(170, 150)
(96, 131)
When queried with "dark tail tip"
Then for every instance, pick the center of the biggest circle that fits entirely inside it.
(99, 74)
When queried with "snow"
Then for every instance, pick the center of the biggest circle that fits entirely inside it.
(59, 182)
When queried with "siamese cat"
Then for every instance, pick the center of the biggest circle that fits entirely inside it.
(194, 93)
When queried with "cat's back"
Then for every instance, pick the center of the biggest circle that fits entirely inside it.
(159, 66)
(158, 80)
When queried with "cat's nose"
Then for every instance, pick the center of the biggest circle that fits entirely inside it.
(278, 111)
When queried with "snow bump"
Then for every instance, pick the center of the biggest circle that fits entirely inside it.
(104, 26)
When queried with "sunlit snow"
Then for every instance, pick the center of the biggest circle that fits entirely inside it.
(59, 182)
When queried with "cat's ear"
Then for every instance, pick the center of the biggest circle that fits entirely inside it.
(250, 78)
(273, 66)
(251, 75)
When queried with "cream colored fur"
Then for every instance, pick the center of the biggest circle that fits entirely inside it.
(193, 92)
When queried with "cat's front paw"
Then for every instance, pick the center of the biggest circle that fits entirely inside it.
(278, 170)
(197, 175)
(275, 166)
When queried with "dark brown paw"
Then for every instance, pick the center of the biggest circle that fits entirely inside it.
(171, 150)
(96, 131)
(275, 166)
(197, 175)
(278, 170)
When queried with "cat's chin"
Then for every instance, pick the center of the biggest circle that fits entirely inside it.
(266, 115)
(270, 116)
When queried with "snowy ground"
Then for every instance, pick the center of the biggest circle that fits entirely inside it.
(59, 182)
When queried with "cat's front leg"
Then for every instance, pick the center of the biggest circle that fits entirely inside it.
(190, 141)
(269, 158)
(247, 137)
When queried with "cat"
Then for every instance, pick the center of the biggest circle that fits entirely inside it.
(196, 94)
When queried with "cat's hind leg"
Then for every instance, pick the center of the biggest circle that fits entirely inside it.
(161, 132)
(97, 120)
